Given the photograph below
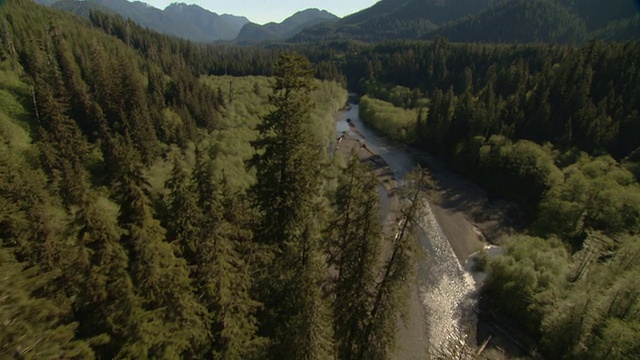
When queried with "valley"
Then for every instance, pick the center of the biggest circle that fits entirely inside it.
(180, 183)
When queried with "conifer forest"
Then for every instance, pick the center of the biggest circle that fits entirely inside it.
(168, 199)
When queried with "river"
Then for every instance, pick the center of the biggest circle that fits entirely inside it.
(447, 291)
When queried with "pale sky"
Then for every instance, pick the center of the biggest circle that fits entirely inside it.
(264, 11)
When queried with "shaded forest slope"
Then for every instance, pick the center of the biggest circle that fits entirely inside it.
(507, 21)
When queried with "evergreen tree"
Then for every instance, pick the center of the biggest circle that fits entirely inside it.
(358, 232)
(309, 333)
(183, 216)
(175, 325)
(32, 327)
(60, 139)
(221, 271)
(107, 307)
(287, 162)
(392, 290)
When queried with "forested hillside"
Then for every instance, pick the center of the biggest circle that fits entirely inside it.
(195, 23)
(148, 210)
(537, 21)
(436, 12)
(287, 28)
(190, 22)
(599, 13)
(554, 129)
(166, 199)
(486, 21)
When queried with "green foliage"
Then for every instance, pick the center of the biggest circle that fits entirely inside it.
(620, 30)
(173, 318)
(538, 21)
(230, 145)
(581, 321)
(520, 165)
(131, 227)
(518, 91)
(183, 213)
(328, 97)
(106, 296)
(564, 99)
(481, 21)
(288, 163)
(396, 123)
(553, 293)
(596, 194)
(90, 127)
(14, 128)
(220, 266)
(619, 340)
(525, 278)
(33, 328)
(287, 160)
(356, 232)
(398, 272)
(598, 13)
(391, 19)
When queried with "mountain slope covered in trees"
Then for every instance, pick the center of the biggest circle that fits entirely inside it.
(517, 21)
(553, 129)
(509, 21)
(598, 13)
(148, 210)
(187, 21)
(487, 21)
(155, 204)
(437, 12)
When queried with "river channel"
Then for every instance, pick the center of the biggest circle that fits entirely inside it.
(447, 291)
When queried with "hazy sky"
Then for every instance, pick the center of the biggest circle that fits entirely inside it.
(263, 11)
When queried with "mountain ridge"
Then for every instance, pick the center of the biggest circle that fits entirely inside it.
(288, 27)
(489, 21)
(192, 22)
(538, 21)
(397, 19)
(189, 21)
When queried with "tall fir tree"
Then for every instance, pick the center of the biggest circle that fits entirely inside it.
(287, 163)
(392, 289)
(174, 326)
(183, 215)
(220, 270)
(106, 306)
(358, 233)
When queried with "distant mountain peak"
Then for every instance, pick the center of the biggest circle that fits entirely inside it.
(311, 10)
(183, 6)
(189, 21)
(288, 27)
(178, 5)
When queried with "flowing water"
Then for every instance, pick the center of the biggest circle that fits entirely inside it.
(447, 290)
